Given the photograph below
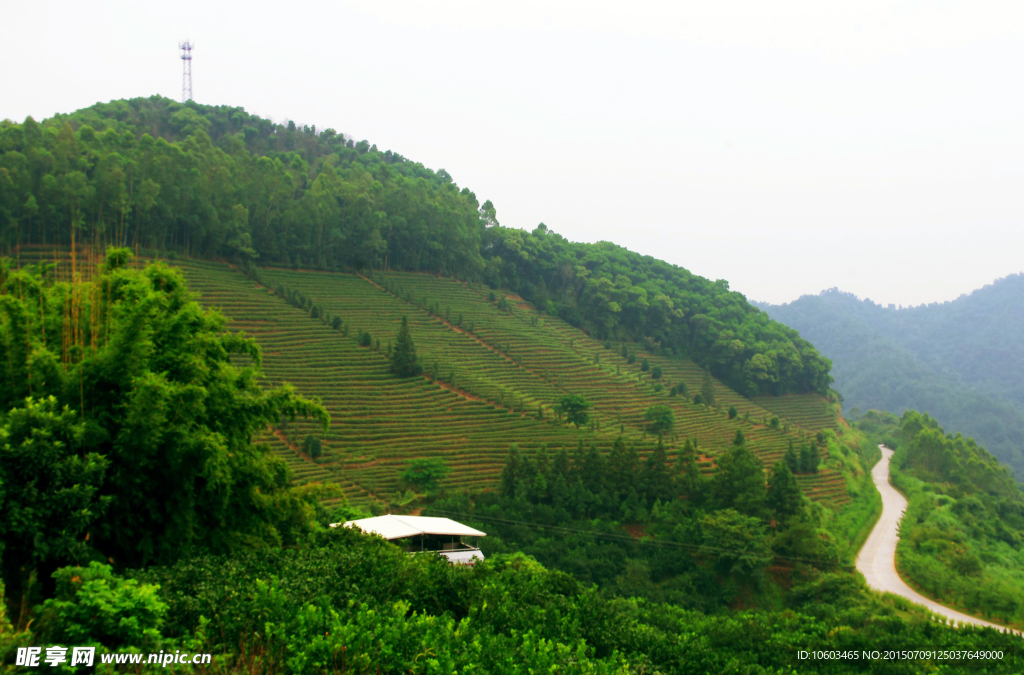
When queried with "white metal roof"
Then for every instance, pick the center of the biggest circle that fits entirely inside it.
(399, 527)
(463, 557)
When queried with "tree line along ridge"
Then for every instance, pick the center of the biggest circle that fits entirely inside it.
(213, 181)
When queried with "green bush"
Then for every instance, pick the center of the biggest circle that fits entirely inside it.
(364, 339)
(733, 412)
(311, 446)
(94, 606)
(656, 373)
(426, 474)
(660, 419)
(645, 365)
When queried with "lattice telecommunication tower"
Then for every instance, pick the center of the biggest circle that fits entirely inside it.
(186, 70)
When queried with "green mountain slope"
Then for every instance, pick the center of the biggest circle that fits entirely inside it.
(507, 367)
(962, 361)
(213, 181)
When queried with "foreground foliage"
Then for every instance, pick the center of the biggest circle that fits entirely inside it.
(125, 429)
(351, 603)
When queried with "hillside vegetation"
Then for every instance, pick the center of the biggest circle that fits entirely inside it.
(962, 361)
(215, 181)
(492, 377)
(146, 521)
(962, 538)
(314, 331)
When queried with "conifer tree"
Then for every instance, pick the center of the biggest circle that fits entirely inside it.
(507, 486)
(784, 493)
(805, 459)
(792, 459)
(707, 389)
(814, 458)
(592, 474)
(403, 356)
(739, 483)
(657, 480)
(688, 479)
(562, 465)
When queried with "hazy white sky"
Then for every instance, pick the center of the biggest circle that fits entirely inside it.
(785, 146)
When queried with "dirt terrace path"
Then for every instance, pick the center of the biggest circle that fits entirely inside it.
(877, 558)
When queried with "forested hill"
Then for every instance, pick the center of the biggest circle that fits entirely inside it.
(963, 361)
(219, 182)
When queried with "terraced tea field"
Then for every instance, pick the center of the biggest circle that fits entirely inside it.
(490, 373)
(379, 422)
(807, 410)
(526, 361)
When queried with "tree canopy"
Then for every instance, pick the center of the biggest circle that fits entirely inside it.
(125, 428)
(574, 407)
(218, 181)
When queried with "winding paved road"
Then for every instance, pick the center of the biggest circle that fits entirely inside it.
(877, 558)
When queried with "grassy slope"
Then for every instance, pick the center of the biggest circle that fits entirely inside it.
(510, 365)
(950, 551)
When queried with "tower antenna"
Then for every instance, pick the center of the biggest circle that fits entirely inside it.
(186, 70)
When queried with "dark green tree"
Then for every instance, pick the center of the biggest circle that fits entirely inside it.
(166, 420)
(657, 479)
(739, 483)
(805, 459)
(574, 407)
(592, 473)
(656, 373)
(660, 419)
(707, 388)
(645, 365)
(49, 492)
(403, 357)
(507, 486)
(426, 474)
(792, 459)
(311, 446)
(687, 474)
(813, 458)
(737, 545)
(784, 497)
(733, 412)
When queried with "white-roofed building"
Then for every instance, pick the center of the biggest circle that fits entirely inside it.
(421, 534)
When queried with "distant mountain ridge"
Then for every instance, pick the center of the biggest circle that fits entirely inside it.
(962, 360)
